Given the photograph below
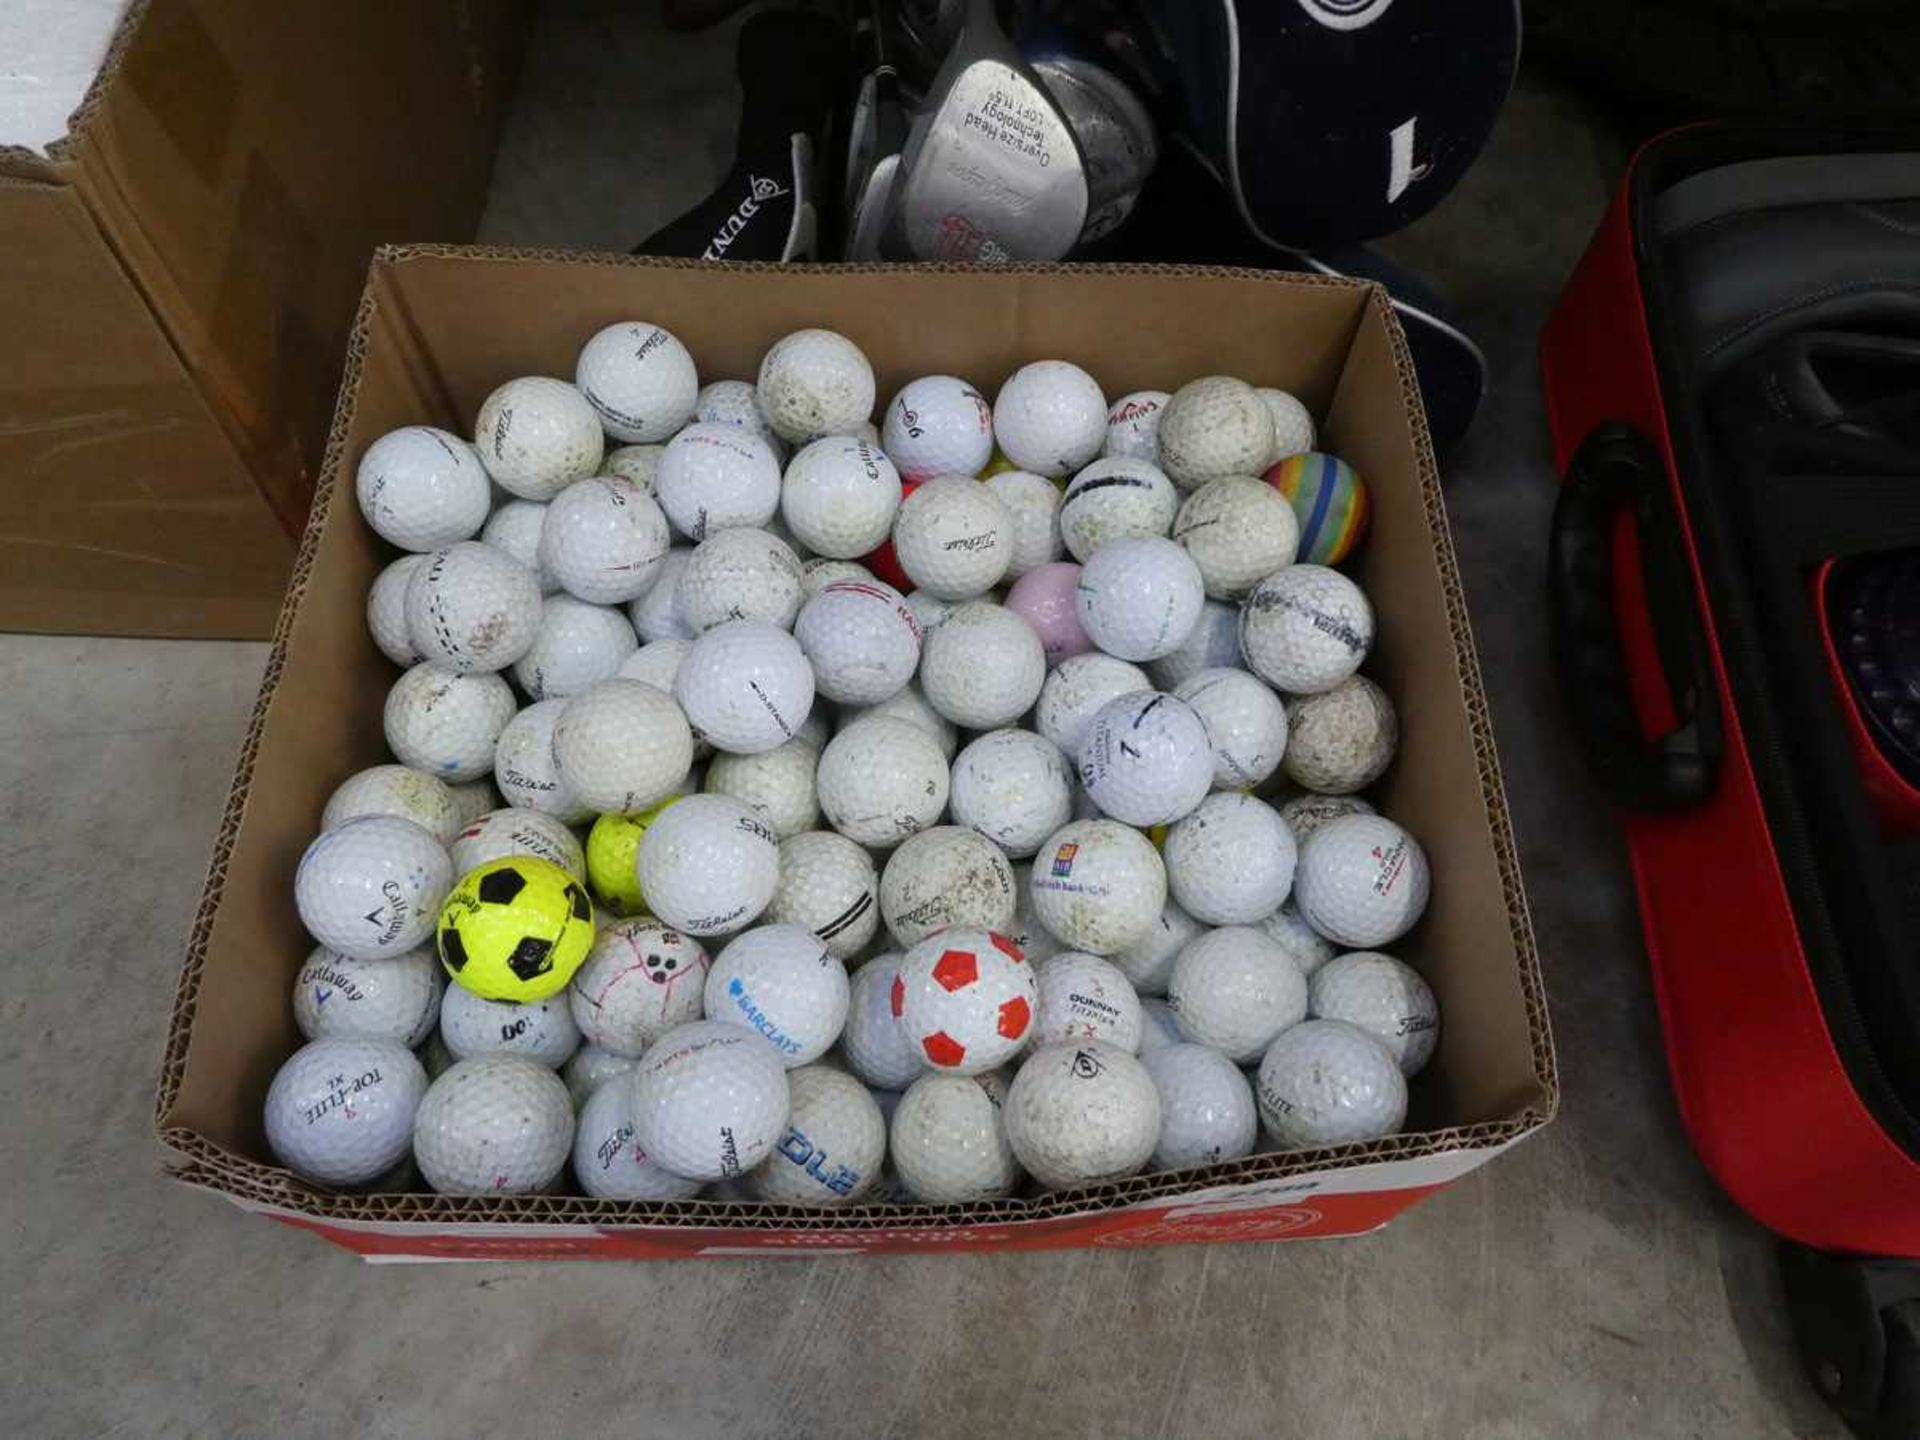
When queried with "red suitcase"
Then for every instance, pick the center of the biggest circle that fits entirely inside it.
(1733, 379)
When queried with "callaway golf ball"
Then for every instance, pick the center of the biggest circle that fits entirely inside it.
(370, 888)
(840, 496)
(708, 865)
(1133, 426)
(395, 998)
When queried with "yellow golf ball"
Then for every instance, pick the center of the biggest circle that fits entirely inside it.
(515, 929)
(612, 848)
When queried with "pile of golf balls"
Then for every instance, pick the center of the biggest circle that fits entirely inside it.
(804, 800)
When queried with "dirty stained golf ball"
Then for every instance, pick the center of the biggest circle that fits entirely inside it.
(1034, 504)
(1343, 739)
(742, 575)
(394, 790)
(949, 1141)
(982, 667)
(942, 877)
(1082, 1112)
(1238, 530)
(607, 1158)
(445, 723)
(472, 609)
(1098, 885)
(1115, 499)
(1306, 628)
(814, 383)
(1211, 427)
(954, 537)
(1325, 1082)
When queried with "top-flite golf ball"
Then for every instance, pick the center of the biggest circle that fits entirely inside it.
(341, 1110)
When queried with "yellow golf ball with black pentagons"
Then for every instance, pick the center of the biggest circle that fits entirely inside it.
(515, 929)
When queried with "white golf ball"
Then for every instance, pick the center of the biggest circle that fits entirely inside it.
(814, 383)
(640, 379)
(514, 529)
(577, 646)
(833, 1146)
(1207, 1110)
(1139, 598)
(1305, 814)
(622, 746)
(1363, 881)
(861, 639)
(1083, 997)
(1082, 1113)
(708, 865)
(840, 496)
(1306, 628)
(536, 436)
(661, 613)
(1383, 996)
(780, 980)
(657, 663)
(543, 1031)
(1230, 862)
(1238, 530)
(340, 1111)
(717, 477)
(745, 686)
(1050, 417)
(875, 1043)
(501, 833)
(1146, 759)
(1214, 426)
(640, 980)
(607, 1158)
(638, 463)
(387, 611)
(1133, 426)
(394, 790)
(943, 877)
(949, 1140)
(882, 780)
(910, 705)
(1148, 962)
(1014, 787)
(494, 1125)
(471, 609)
(603, 540)
(929, 611)
(1293, 432)
(1098, 885)
(742, 575)
(1235, 989)
(983, 666)
(1246, 723)
(818, 573)
(777, 783)
(954, 537)
(966, 999)
(394, 998)
(1305, 946)
(710, 1100)
(1036, 942)
(371, 888)
(1158, 1027)
(1343, 739)
(1116, 499)
(735, 403)
(422, 488)
(938, 425)
(1213, 644)
(1325, 1082)
(589, 1069)
(445, 723)
(1074, 692)
(1034, 504)
(828, 885)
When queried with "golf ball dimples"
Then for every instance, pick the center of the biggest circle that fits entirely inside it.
(474, 798)
(861, 639)
(1331, 502)
(340, 1111)
(814, 383)
(778, 783)
(1235, 989)
(494, 1125)
(1158, 1027)
(1384, 997)
(780, 981)
(1133, 426)
(966, 997)
(1098, 886)
(1238, 531)
(1246, 723)
(640, 379)
(622, 746)
(833, 1145)
(1363, 881)
(1207, 1110)
(1050, 418)
(949, 1140)
(608, 1161)
(827, 884)
(397, 998)
(1148, 962)
(1231, 861)
(910, 705)
(938, 425)
(1305, 946)
(500, 833)
(929, 611)
(1083, 997)
(661, 613)
(471, 608)
(1116, 499)
(578, 645)
(875, 1043)
(590, 1068)
(514, 529)
(657, 663)
(1211, 427)
(1140, 598)
(1325, 1082)
(1075, 692)
(742, 575)
(640, 980)
(735, 403)
(1082, 1112)
(710, 1100)
(542, 1031)
(818, 573)
(1047, 599)
(1014, 787)
(371, 888)
(1293, 432)
(1306, 628)
(954, 537)
(515, 929)
(745, 686)
(943, 877)
(394, 790)
(387, 611)
(983, 667)
(536, 436)
(840, 497)
(1214, 644)
(637, 463)
(1305, 814)
(1146, 759)
(708, 865)
(1036, 942)
(1343, 739)
(421, 488)
(717, 477)
(1034, 504)
(603, 540)
(882, 780)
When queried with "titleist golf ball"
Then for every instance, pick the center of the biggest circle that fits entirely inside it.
(640, 379)
(708, 865)
(710, 1100)
(1384, 997)
(1098, 885)
(526, 770)
(607, 1158)
(422, 488)
(716, 477)
(954, 537)
(536, 436)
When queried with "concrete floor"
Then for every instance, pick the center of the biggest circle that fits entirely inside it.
(1592, 1282)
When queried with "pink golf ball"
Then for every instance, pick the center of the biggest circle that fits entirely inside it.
(1044, 598)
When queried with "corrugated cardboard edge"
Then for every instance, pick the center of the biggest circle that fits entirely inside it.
(200, 1162)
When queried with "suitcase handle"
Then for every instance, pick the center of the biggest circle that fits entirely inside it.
(1617, 467)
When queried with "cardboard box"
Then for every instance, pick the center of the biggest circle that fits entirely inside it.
(177, 279)
(438, 329)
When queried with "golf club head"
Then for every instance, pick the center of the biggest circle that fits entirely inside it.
(1115, 132)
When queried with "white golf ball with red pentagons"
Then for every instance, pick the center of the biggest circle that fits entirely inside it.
(966, 998)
